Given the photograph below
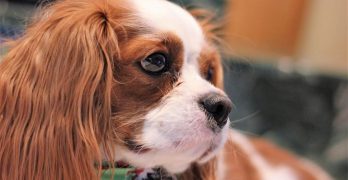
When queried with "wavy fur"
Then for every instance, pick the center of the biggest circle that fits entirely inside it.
(55, 93)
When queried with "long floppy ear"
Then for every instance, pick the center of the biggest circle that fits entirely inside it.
(55, 88)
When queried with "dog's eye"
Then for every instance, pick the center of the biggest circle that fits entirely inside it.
(155, 63)
(210, 73)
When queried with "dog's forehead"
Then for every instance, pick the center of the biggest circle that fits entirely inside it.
(165, 16)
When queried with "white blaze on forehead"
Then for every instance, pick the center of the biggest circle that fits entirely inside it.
(165, 16)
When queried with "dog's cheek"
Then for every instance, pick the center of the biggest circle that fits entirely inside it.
(178, 117)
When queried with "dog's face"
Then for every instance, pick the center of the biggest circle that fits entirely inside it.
(168, 106)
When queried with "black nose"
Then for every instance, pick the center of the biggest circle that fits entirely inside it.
(218, 107)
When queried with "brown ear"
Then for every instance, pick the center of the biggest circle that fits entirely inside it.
(212, 29)
(55, 88)
(211, 26)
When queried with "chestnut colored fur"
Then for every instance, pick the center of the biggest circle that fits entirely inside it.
(65, 99)
(56, 91)
(65, 89)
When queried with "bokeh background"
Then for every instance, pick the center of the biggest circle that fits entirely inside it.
(286, 70)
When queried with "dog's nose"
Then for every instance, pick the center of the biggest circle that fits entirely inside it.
(218, 107)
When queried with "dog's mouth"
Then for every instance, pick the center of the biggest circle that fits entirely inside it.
(136, 148)
(141, 149)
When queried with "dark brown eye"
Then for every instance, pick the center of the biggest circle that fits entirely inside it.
(155, 63)
(210, 73)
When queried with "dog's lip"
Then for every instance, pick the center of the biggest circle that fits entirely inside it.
(140, 150)
(136, 148)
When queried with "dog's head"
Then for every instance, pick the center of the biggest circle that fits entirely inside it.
(167, 95)
(138, 81)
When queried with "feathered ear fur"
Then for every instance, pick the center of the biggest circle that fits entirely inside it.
(211, 26)
(55, 90)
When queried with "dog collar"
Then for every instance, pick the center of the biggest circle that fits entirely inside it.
(119, 174)
(123, 171)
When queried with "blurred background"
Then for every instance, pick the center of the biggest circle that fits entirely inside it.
(286, 70)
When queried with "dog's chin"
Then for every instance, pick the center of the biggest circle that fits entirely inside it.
(178, 156)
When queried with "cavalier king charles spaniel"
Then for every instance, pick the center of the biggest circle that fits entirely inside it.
(133, 81)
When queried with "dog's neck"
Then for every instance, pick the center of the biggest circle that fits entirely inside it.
(204, 171)
(195, 171)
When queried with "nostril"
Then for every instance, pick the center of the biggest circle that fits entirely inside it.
(218, 107)
(211, 106)
(221, 113)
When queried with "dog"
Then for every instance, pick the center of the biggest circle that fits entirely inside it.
(136, 81)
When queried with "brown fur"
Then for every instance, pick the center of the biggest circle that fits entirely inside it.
(64, 89)
(237, 164)
(210, 58)
(56, 87)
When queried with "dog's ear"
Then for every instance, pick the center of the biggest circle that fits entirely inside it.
(211, 25)
(55, 90)
(212, 29)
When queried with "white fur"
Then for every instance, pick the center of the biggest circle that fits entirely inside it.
(165, 16)
(266, 170)
(177, 130)
(221, 166)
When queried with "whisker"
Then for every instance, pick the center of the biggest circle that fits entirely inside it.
(245, 118)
